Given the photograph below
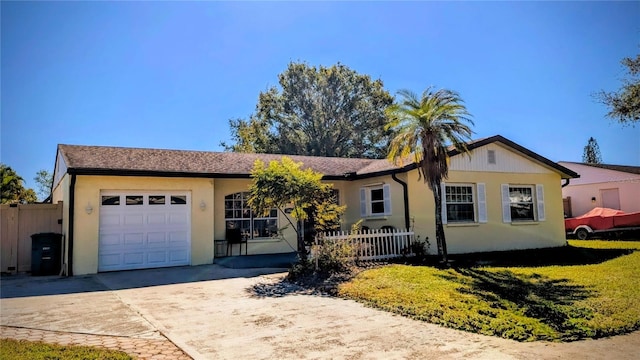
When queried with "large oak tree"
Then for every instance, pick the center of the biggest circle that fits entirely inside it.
(624, 104)
(320, 111)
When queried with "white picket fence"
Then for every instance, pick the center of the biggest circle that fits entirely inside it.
(375, 244)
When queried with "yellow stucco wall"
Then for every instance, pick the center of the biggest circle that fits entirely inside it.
(494, 235)
(86, 226)
(350, 192)
(208, 225)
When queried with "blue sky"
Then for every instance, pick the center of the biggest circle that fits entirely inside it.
(171, 74)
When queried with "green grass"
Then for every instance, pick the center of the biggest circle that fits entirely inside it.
(588, 289)
(33, 350)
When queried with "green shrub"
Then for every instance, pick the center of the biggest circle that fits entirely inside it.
(418, 248)
(334, 256)
(329, 258)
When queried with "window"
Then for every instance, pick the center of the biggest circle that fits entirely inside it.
(464, 203)
(522, 203)
(134, 200)
(238, 215)
(375, 200)
(178, 200)
(156, 199)
(460, 203)
(111, 200)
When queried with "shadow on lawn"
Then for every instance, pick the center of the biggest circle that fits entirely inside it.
(551, 301)
(565, 255)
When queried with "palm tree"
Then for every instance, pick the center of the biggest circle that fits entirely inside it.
(13, 192)
(422, 128)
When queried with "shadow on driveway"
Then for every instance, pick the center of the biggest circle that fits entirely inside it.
(17, 286)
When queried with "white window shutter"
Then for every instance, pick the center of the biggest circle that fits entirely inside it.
(443, 201)
(540, 200)
(506, 204)
(482, 203)
(363, 202)
(386, 193)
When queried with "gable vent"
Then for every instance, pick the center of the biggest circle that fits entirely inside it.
(491, 156)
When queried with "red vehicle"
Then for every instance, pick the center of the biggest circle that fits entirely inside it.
(601, 220)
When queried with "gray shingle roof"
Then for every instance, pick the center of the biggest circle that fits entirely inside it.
(105, 158)
(82, 159)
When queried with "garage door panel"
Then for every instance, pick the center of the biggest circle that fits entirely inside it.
(154, 257)
(178, 256)
(109, 220)
(178, 219)
(177, 237)
(134, 239)
(156, 219)
(157, 239)
(110, 260)
(133, 219)
(133, 258)
(107, 239)
(145, 235)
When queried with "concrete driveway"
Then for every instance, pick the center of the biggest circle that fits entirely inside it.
(213, 312)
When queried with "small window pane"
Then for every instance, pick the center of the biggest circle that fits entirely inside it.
(377, 195)
(178, 199)
(460, 212)
(156, 199)
(377, 207)
(111, 200)
(135, 200)
(521, 211)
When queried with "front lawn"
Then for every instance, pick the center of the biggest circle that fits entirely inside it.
(588, 289)
(34, 350)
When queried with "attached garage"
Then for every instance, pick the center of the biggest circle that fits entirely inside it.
(141, 230)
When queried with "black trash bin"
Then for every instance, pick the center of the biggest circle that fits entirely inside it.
(45, 254)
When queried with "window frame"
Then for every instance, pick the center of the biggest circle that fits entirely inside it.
(366, 200)
(531, 203)
(537, 203)
(243, 210)
(375, 202)
(473, 203)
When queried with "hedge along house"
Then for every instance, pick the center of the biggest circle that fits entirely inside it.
(130, 208)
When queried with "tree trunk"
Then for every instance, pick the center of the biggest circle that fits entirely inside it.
(440, 238)
(302, 249)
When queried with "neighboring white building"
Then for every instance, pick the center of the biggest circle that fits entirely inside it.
(601, 185)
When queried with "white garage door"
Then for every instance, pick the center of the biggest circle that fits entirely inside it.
(141, 230)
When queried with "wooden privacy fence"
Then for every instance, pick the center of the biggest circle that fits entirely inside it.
(17, 223)
(375, 244)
